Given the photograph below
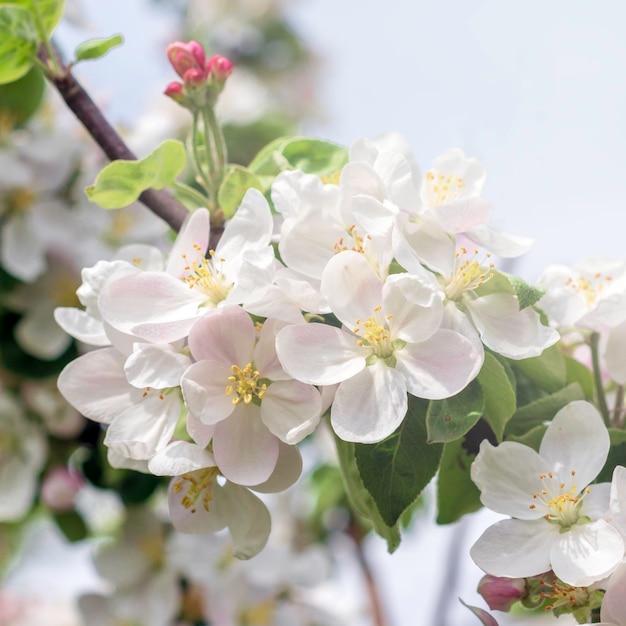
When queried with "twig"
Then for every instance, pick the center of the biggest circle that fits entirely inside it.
(160, 202)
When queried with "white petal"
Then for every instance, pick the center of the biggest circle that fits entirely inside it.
(613, 608)
(81, 326)
(180, 457)
(515, 548)
(318, 354)
(576, 439)
(369, 406)
(614, 354)
(287, 470)
(37, 334)
(190, 245)
(155, 365)
(508, 477)
(21, 252)
(585, 554)
(501, 244)
(204, 390)
(618, 499)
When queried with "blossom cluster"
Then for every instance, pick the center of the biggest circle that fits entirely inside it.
(356, 291)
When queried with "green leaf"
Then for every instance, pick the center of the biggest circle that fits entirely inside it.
(396, 470)
(358, 496)
(498, 385)
(576, 372)
(236, 182)
(46, 14)
(547, 370)
(18, 42)
(121, 182)
(544, 409)
(617, 436)
(449, 419)
(72, 525)
(457, 494)
(498, 282)
(96, 48)
(269, 161)
(532, 438)
(21, 98)
(527, 295)
(315, 156)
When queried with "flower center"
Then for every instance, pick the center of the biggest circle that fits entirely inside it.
(194, 484)
(562, 595)
(331, 179)
(62, 290)
(589, 288)
(19, 201)
(244, 383)
(562, 504)
(208, 277)
(353, 241)
(374, 333)
(441, 188)
(468, 273)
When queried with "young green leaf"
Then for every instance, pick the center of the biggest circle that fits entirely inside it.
(315, 156)
(18, 42)
(46, 14)
(449, 419)
(395, 471)
(269, 161)
(546, 370)
(120, 183)
(96, 48)
(527, 295)
(236, 182)
(498, 385)
(20, 99)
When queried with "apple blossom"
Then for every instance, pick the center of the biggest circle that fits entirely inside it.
(557, 521)
(392, 343)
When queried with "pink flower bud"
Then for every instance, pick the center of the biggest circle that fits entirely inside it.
(194, 77)
(219, 68)
(175, 91)
(184, 56)
(59, 488)
(501, 593)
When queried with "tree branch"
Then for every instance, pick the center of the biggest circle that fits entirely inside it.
(160, 202)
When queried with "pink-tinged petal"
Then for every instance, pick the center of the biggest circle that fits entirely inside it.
(507, 330)
(204, 391)
(318, 354)
(250, 228)
(145, 428)
(254, 275)
(597, 501)
(578, 440)
(199, 432)
(516, 548)
(245, 450)
(95, 385)
(119, 461)
(461, 215)
(164, 332)
(248, 520)
(614, 360)
(158, 366)
(81, 326)
(439, 367)
(416, 309)
(205, 512)
(190, 245)
(147, 298)
(481, 614)
(265, 357)
(613, 608)
(587, 553)
(618, 499)
(286, 473)
(369, 406)
(358, 179)
(351, 287)
(141, 256)
(501, 244)
(508, 477)
(291, 410)
(180, 457)
(226, 335)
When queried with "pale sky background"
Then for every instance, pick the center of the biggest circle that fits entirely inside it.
(536, 90)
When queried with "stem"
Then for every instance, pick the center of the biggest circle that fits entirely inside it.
(220, 143)
(597, 376)
(618, 409)
(197, 161)
(162, 202)
(357, 535)
(211, 152)
(195, 196)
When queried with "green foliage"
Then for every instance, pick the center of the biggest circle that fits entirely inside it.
(449, 419)
(498, 385)
(360, 499)
(456, 493)
(547, 370)
(576, 372)
(21, 98)
(96, 48)
(397, 469)
(315, 156)
(270, 161)
(46, 14)
(527, 295)
(121, 182)
(236, 182)
(18, 42)
(71, 524)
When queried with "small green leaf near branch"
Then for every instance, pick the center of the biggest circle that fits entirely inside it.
(96, 48)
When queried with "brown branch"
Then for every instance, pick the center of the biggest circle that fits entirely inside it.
(160, 202)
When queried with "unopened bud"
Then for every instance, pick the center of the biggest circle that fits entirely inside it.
(175, 91)
(184, 56)
(501, 593)
(219, 68)
(59, 488)
(194, 77)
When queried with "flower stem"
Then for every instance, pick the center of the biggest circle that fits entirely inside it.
(192, 194)
(597, 376)
(357, 536)
(618, 409)
(160, 202)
